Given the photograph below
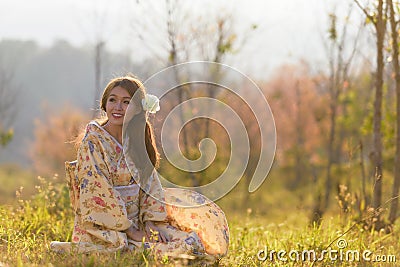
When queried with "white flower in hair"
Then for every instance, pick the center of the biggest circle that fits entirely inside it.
(151, 103)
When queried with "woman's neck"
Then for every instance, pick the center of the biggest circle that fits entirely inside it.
(114, 130)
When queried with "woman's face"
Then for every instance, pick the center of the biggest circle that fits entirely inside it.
(117, 104)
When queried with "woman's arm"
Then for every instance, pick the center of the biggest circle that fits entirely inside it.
(99, 202)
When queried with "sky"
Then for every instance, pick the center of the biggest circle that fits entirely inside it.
(288, 30)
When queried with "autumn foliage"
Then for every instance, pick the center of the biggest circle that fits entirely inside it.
(54, 139)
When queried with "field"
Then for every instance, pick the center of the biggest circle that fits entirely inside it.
(274, 232)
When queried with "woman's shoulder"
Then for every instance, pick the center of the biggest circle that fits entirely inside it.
(93, 131)
(93, 126)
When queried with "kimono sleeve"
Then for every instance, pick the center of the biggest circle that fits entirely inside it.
(152, 207)
(99, 202)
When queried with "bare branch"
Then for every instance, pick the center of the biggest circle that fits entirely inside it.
(363, 9)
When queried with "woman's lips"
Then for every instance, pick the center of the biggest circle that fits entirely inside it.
(117, 115)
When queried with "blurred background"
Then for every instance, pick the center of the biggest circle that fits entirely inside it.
(313, 60)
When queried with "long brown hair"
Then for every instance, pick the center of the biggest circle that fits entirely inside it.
(144, 154)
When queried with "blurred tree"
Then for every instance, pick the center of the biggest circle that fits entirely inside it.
(340, 58)
(394, 22)
(377, 15)
(53, 139)
(8, 110)
(6, 137)
(301, 120)
(355, 122)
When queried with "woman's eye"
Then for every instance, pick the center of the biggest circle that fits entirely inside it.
(111, 100)
(127, 102)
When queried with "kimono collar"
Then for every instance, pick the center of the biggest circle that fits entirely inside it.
(104, 130)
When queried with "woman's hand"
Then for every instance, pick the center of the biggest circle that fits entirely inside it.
(136, 235)
(154, 233)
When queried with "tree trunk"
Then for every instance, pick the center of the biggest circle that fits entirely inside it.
(396, 68)
(380, 35)
(299, 152)
(365, 195)
(328, 182)
(97, 76)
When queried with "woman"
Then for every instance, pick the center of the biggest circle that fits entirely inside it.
(117, 197)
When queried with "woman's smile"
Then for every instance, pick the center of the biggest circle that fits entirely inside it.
(117, 115)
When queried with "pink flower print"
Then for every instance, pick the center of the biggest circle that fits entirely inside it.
(118, 149)
(76, 239)
(79, 230)
(99, 201)
(87, 158)
(98, 184)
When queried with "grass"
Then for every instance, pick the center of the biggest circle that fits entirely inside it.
(254, 235)
(12, 178)
(28, 226)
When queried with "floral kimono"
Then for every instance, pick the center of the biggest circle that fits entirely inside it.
(107, 200)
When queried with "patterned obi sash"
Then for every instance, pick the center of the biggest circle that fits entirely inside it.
(127, 191)
(130, 196)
